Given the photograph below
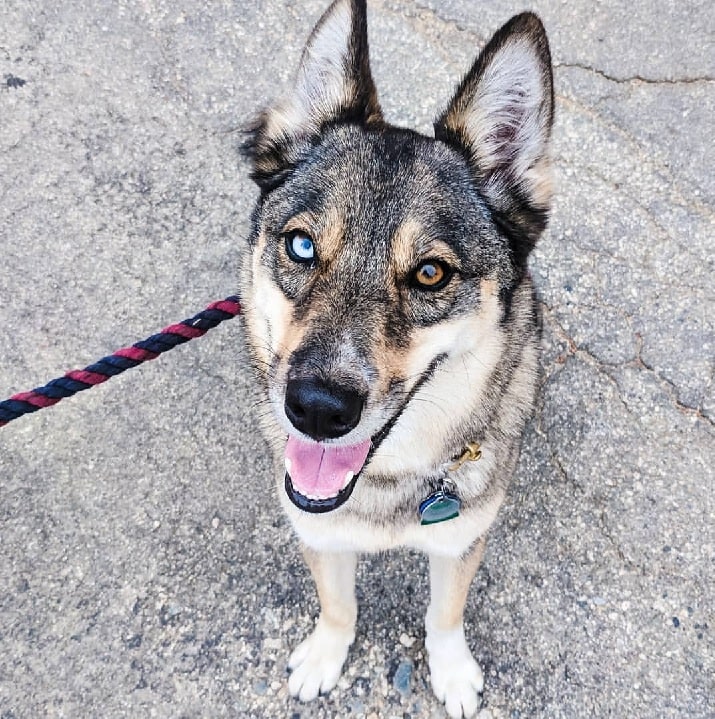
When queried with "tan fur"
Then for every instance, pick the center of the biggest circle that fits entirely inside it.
(268, 312)
(334, 575)
(328, 234)
(304, 222)
(450, 579)
(540, 180)
(410, 245)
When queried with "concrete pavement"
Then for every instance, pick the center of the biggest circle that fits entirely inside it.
(144, 568)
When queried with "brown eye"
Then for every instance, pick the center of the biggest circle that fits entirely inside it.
(431, 275)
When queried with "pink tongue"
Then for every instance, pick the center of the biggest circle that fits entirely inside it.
(319, 469)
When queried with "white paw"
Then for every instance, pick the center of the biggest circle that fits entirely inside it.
(456, 678)
(316, 662)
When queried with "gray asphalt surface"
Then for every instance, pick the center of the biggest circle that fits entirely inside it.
(145, 570)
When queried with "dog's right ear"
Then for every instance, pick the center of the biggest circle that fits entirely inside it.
(333, 84)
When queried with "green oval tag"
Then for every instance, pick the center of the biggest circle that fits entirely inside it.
(439, 507)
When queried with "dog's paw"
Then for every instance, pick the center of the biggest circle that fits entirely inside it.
(456, 677)
(316, 663)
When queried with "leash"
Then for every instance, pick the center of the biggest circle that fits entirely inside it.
(123, 359)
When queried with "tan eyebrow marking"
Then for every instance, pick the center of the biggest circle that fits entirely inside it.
(411, 243)
(327, 230)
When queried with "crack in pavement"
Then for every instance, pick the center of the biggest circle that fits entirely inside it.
(428, 23)
(604, 253)
(605, 369)
(645, 157)
(615, 185)
(597, 500)
(634, 79)
(447, 22)
(428, 13)
(669, 388)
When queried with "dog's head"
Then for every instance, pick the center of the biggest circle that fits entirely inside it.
(378, 254)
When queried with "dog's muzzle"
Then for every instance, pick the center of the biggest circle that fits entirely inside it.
(321, 476)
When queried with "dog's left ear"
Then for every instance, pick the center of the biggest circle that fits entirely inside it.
(333, 84)
(500, 118)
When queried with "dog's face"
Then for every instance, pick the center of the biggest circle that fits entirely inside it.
(378, 253)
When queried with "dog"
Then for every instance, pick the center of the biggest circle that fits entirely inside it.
(393, 325)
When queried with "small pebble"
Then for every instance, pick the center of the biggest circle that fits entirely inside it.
(406, 640)
(403, 677)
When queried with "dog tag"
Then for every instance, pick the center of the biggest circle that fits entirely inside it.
(439, 507)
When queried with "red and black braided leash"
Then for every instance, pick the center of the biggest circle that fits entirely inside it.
(123, 359)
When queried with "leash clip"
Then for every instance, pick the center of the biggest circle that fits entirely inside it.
(472, 452)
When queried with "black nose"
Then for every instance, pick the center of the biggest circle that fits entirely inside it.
(320, 410)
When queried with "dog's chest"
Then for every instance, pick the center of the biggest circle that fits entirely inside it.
(385, 522)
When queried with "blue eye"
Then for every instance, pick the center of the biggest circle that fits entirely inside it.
(300, 247)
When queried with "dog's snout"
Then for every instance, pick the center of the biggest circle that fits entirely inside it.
(320, 410)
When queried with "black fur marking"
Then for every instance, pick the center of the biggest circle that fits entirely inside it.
(538, 315)
(506, 298)
(521, 224)
(269, 156)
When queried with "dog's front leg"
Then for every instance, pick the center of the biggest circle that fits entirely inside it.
(316, 663)
(456, 676)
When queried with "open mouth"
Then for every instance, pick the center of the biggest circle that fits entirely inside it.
(320, 477)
